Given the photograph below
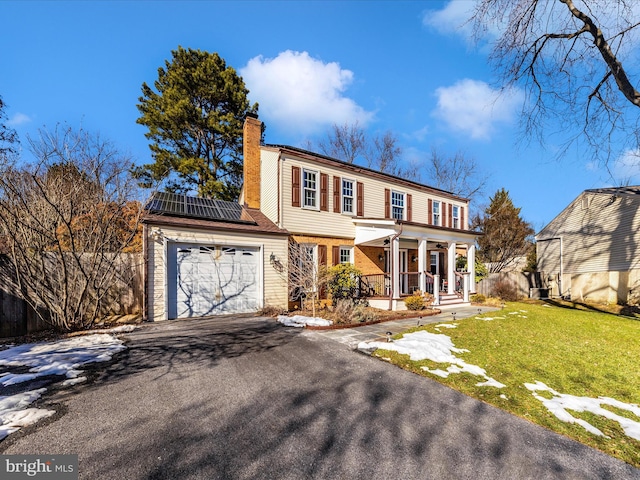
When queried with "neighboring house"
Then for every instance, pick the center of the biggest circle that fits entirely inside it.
(591, 250)
(403, 236)
(208, 257)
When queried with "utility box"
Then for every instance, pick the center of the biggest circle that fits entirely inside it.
(538, 293)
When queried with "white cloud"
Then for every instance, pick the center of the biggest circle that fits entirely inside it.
(302, 93)
(626, 169)
(473, 107)
(18, 119)
(453, 18)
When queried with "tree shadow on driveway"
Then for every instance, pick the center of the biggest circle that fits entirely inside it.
(176, 346)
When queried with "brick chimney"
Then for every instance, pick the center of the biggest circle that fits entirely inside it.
(251, 167)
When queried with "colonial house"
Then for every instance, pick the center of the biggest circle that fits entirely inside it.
(403, 236)
(209, 257)
(591, 250)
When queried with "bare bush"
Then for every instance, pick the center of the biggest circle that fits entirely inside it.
(506, 291)
(66, 219)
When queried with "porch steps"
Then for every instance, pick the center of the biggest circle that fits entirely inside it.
(451, 300)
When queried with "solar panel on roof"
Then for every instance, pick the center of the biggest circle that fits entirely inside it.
(165, 203)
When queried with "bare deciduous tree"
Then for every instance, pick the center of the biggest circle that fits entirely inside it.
(458, 174)
(350, 143)
(576, 62)
(306, 275)
(8, 136)
(346, 142)
(67, 217)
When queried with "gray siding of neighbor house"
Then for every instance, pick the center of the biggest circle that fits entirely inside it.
(600, 233)
(592, 249)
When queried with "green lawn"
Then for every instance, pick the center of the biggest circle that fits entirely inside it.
(581, 353)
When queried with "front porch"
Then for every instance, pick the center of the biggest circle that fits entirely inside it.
(414, 258)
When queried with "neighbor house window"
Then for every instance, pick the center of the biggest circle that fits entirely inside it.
(310, 189)
(347, 196)
(346, 255)
(436, 213)
(397, 205)
(456, 216)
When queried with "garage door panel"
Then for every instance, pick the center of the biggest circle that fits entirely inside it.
(214, 280)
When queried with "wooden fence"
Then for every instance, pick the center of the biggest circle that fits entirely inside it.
(17, 317)
(525, 284)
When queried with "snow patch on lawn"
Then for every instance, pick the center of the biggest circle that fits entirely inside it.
(446, 325)
(560, 402)
(301, 321)
(438, 348)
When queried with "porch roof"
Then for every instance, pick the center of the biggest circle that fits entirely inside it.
(373, 232)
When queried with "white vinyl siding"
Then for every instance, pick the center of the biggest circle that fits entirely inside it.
(269, 175)
(338, 225)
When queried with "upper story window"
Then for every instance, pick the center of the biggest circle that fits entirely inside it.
(310, 189)
(348, 196)
(456, 216)
(397, 205)
(436, 213)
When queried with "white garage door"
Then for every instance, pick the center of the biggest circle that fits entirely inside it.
(213, 280)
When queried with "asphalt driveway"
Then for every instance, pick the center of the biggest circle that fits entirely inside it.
(246, 398)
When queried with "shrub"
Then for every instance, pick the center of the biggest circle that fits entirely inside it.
(344, 280)
(271, 311)
(362, 314)
(350, 311)
(478, 298)
(414, 302)
(506, 291)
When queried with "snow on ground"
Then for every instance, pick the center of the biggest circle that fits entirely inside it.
(62, 357)
(14, 414)
(438, 348)
(301, 321)
(446, 325)
(561, 402)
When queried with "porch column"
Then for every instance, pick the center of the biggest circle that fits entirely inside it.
(395, 272)
(471, 267)
(422, 265)
(465, 287)
(451, 268)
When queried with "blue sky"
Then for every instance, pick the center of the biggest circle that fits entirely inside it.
(309, 65)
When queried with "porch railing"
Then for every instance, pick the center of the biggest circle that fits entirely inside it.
(459, 283)
(430, 282)
(377, 285)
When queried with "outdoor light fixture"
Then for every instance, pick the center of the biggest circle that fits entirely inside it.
(157, 234)
(388, 336)
(380, 257)
(414, 259)
(454, 316)
(439, 245)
